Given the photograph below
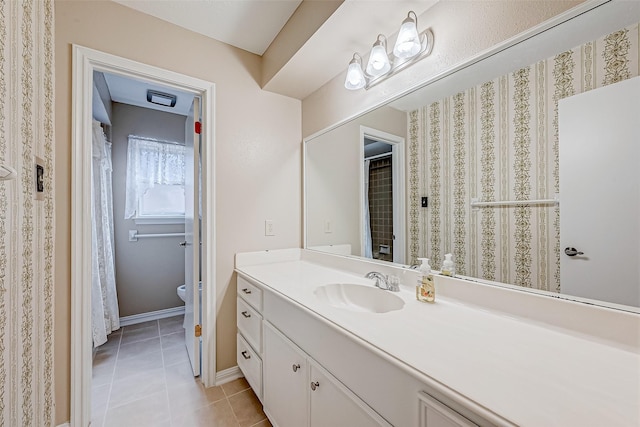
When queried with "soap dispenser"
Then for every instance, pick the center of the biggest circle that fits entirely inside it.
(448, 268)
(425, 290)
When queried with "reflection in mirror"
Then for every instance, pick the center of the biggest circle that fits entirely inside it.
(495, 140)
(335, 187)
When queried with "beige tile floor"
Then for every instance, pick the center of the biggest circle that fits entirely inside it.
(142, 377)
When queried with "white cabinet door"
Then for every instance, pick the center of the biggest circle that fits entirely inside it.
(285, 380)
(332, 404)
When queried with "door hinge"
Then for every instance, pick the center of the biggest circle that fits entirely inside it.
(198, 127)
(198, 330)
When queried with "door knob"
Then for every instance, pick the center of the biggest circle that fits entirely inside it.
(572, 252)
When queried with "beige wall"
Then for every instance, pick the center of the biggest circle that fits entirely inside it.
(149, 270)
(462, 29)
(257, 146)
(333, 177)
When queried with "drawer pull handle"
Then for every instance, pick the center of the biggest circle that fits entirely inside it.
(314, 385)
(296, 367)
(246, 291)
(246, 355)
(246, 314)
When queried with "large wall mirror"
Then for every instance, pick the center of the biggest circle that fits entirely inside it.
(409, 179)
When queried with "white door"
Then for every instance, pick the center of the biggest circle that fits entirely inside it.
(600, 193)
(192, 237)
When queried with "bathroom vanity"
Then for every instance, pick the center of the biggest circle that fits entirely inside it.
(321, 346)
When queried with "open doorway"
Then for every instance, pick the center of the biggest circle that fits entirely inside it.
(382, 204)
(87, 64)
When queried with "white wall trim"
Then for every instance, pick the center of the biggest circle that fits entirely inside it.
(228, 375)
(151, 315)
(84, 62)
(64, 425)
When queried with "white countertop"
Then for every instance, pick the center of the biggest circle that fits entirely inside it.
(530, 373)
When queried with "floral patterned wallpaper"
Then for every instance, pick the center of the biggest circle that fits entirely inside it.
(26, 224)
(499, 141)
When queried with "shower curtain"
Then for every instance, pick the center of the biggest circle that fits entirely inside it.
(366, 235)
(105, 317)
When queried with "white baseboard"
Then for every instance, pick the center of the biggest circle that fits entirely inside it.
(228, 375)
(152, 315)
(65, 425)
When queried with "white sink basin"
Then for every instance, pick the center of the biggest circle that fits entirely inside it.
(359, 298)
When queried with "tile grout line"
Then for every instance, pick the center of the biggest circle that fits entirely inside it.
(113, 374)
(164, 374)
(227, 397)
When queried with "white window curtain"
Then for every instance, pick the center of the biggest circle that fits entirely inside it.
(105, 316)
(151, 162)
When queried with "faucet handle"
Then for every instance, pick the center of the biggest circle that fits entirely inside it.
(393, 282)
(378, 277)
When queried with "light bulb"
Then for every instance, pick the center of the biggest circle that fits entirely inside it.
(355, 76)
(378, 64)
(408, 42)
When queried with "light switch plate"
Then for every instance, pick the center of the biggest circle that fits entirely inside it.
(39, 171)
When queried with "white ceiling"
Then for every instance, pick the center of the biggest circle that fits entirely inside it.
(134, 92)
(252, 25)
(248, 24)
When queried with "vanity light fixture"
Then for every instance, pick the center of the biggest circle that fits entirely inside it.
(355, 76)
(408, 42)
(378, 63)
(409, 47)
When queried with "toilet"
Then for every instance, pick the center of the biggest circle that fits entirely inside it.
(182, 291)
(182, 294)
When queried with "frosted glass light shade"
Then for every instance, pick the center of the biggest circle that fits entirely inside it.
(408, 42)
(378, 64)
(355, 76)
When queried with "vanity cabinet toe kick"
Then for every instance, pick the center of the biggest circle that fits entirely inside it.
(388, 392)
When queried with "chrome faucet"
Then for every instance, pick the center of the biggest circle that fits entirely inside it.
(388, 283)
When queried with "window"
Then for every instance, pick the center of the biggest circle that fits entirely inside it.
(155, 180)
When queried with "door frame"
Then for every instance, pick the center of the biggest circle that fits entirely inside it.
(398, 182)
(84, 62)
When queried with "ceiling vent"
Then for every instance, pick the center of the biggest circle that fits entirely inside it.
(164, 99)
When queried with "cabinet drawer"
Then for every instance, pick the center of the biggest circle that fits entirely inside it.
(250, 364)
(250, 293)
(249, 323)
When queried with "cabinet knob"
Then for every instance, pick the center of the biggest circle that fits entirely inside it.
(314, 385)
(246, 355)
(246, 314)
(246, 291)
(296, 367)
